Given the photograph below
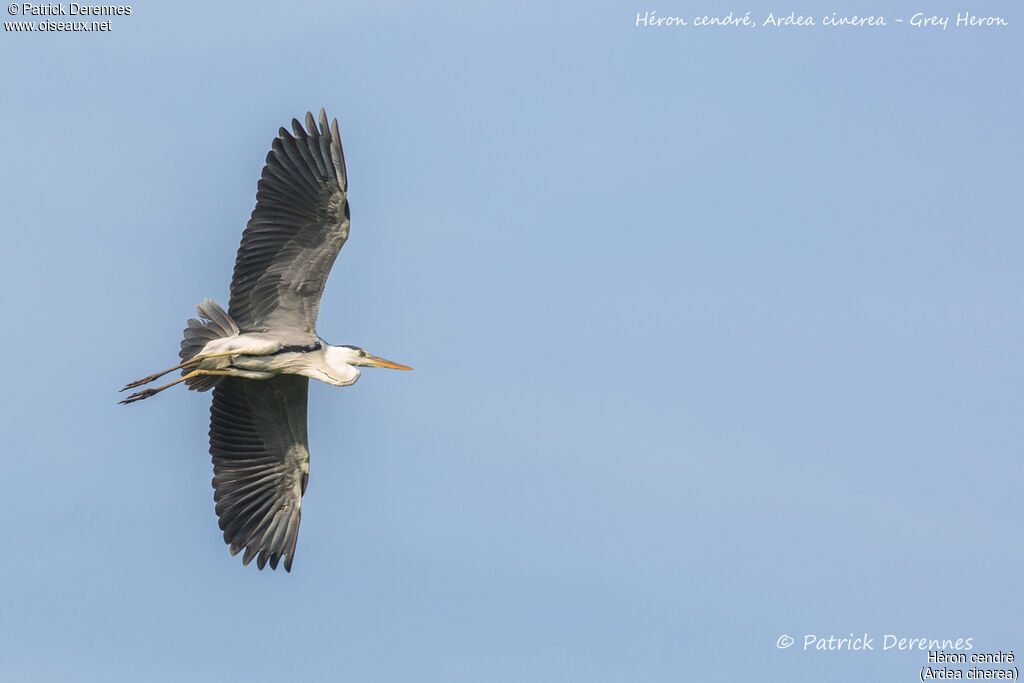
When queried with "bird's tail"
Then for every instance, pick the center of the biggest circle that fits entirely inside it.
(214, 323)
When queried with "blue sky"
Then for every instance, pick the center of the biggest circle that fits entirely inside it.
(716, 332)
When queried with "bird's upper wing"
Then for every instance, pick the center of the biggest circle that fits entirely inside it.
(298, 227)
(260, 464)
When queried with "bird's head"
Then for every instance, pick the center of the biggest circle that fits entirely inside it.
(357, 357)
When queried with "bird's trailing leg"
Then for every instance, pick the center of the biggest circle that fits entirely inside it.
(194, 360)
(146, 393)
(158, 375)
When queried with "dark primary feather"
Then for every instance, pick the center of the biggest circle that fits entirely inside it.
(260, 464)
(299, 225)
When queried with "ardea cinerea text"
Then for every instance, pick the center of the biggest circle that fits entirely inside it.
(259, 355)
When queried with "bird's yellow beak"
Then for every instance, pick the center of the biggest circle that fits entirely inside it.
(375, 362)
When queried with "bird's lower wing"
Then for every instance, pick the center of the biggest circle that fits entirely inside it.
(261, 464)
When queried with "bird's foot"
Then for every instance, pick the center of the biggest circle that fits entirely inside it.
(140, 382)
(139, 395)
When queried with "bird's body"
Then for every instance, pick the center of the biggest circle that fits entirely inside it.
(258, 356)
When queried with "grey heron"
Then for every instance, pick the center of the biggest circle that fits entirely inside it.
(258, 356)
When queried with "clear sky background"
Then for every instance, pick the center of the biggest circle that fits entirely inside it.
(717, 337)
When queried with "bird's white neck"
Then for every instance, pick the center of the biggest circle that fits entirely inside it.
(338, 367)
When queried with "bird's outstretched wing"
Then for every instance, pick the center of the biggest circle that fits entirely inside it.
(299, 225)
(260, 464)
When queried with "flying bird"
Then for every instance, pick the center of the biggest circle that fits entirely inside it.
(258, 356)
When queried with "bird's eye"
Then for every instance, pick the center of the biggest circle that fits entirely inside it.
(362, 353)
